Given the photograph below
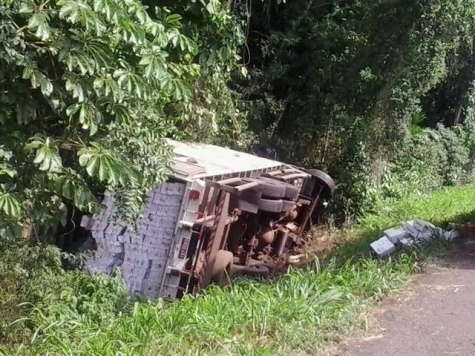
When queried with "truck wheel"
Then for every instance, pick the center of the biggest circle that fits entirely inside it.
(271, 206)
(288, 206)
(324, 180)
(256, 270)
(273, 188)
(222, 268)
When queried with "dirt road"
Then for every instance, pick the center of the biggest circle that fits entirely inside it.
(435, 316)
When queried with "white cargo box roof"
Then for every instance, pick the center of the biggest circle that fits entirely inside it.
(199, 160)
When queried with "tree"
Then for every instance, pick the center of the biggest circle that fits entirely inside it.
(89, 89)
(336, 84)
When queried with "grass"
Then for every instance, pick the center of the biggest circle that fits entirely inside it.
(444, 206)
(302, 312)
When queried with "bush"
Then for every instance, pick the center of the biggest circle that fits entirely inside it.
(430, 160)
(33, 279)
(426, 160)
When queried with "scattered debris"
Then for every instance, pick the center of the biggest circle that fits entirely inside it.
(383, 247)
(411, 233)
(295, 259)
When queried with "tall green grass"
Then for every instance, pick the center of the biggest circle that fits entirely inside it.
(301, 312)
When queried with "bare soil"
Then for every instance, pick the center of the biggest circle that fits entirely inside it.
(434, 315)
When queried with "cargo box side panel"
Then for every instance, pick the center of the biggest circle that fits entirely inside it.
(141, 255)
(177, 257)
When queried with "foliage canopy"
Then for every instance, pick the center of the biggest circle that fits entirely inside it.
(89, 89)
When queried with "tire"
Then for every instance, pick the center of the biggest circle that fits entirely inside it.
(222, 268)
(257, 270)
(271, 206)
(324, 180)
(288, 206)
(272, 188)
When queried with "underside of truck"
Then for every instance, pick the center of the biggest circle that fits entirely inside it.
(250, 226)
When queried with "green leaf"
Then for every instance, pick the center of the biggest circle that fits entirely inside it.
(4, 154)
(106, 167)
(39, 22)
(70, 185)
(173, 20)
(210, 6)
(27, 7)
(142, 15)
(99, 52)
(92, 166)
(88, 114)
(173, 36)
(47, 154)
(7, 169)
(158, 30)
(76, 59)
(10, 204)
(107, 7)
(108, 87)
(73, 86)
(155, 65)
(121, 113)
(72, 109)
(177, 88)
(29, 147)
(131, 82)
(80, 12)
(25, 114)
(38, 79)
(40, 155)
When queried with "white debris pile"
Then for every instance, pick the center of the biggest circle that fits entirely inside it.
(411, 233)
(141, 254)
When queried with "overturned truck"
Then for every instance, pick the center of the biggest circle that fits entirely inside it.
(222, 213)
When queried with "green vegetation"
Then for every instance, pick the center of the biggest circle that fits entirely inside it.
(381, 94)
(88, 92)
(69, 313)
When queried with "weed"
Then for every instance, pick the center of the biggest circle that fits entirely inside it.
(300, 312)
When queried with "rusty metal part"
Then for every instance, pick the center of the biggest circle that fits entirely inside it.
(199, 255)
(290, 209)
(235, 185)
(221, 270)
(247, 199)
(280, 241)
(293, 176)
(266, 236)
(251, 246)
(215, 236)
(292, 215)
(309, 211)
(291, 226)
(198, 264)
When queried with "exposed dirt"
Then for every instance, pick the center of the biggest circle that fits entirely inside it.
(434, 316)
